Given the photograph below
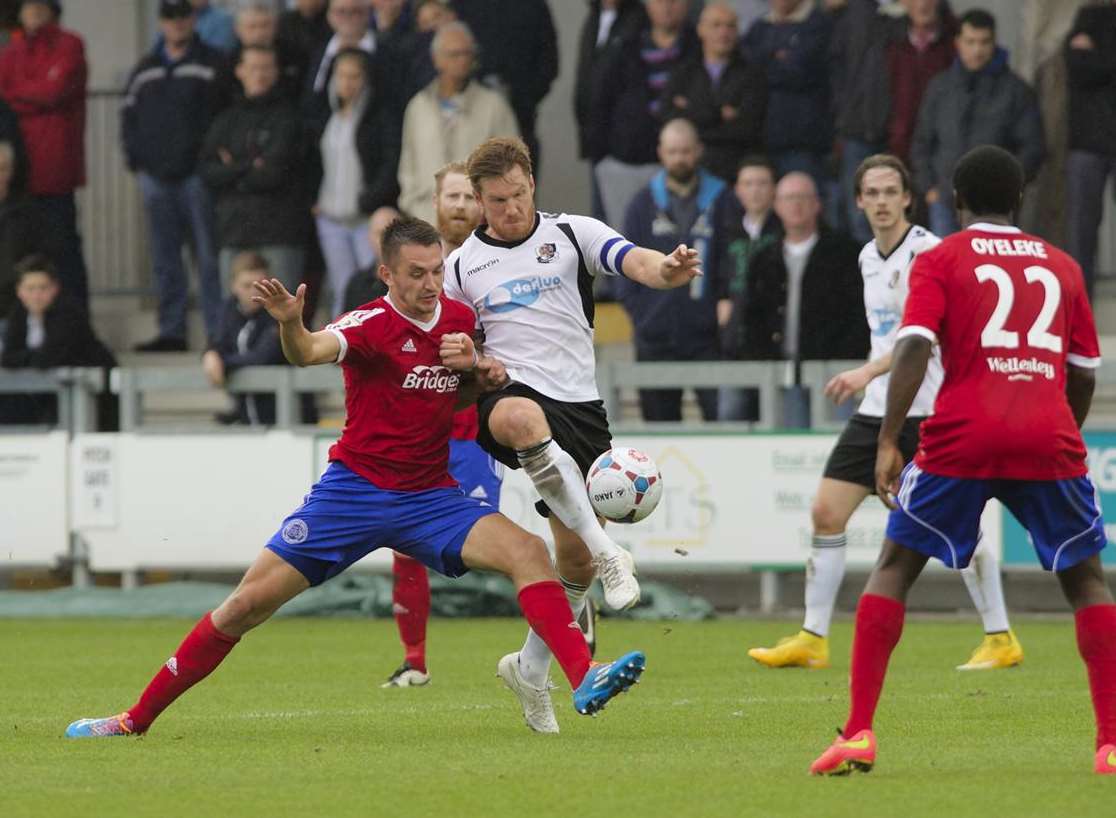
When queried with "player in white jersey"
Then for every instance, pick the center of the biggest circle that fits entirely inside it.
(529, 277)
(884, 194)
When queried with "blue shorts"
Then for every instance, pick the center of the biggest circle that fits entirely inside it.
(479, 473)
(940, 516)
(345, 517)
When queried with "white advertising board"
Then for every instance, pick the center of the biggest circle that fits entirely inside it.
(183, 501)
(212, 501)
(34, 519)
(730, 500)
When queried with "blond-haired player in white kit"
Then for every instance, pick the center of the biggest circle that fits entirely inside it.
(529, 278)
(883, 191)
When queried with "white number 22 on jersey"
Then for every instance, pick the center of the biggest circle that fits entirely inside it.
(1038, 336)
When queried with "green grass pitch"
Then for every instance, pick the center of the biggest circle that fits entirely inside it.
(294, 723)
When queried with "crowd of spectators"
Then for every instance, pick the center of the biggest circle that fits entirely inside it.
(283, 140)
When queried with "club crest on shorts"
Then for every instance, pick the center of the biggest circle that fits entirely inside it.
(546, 253)
(295, 531)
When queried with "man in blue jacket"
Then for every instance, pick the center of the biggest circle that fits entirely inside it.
(172, 97)
(676, 207)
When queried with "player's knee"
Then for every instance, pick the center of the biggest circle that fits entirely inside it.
(519, 423)
(827, 520)
(242, 611)
(534, 555)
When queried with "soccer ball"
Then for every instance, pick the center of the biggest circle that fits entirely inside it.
(624, 485)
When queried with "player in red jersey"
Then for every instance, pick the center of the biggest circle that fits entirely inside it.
(387, 483)
(1019, 347)
(478, 474)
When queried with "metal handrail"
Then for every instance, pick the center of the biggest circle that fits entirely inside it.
(78, 387)
(75, 387)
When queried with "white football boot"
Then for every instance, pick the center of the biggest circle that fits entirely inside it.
(538, 711)
(617, 573)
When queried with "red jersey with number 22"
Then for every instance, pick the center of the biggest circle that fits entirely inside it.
(399, 398)
(1010, 311)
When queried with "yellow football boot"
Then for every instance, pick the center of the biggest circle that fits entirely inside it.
(804, 649)
(998, 650)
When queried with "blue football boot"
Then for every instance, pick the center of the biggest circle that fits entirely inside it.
(604, 681)
(119, 725)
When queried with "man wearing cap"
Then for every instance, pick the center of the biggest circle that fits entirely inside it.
(172, 97)
(43, 77)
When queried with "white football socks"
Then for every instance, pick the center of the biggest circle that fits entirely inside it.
(534, 656)
(561, 485)
(982, 578)
(824, 571)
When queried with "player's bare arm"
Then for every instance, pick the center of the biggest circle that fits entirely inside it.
(662, 272)
(300, 346)
(844, 385)
(909, 360)
(1080, 383)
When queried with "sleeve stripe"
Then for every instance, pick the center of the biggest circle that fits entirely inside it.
(620, 257)
(1083, 362)
(922, 332)
(608, 245)
(344, 343)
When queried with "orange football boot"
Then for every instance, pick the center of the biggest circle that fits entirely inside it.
(848, 755)
(1106, 760)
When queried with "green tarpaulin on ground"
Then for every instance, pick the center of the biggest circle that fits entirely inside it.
(348, 595)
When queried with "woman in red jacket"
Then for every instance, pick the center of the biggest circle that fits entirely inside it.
(43, 76)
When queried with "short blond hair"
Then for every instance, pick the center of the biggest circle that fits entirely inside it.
(495, 158)
(446, 170)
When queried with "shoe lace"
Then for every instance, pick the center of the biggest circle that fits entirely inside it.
(538, 700)
(611, 570)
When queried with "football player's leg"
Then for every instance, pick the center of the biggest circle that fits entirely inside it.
(1067, 530)
(268, 583)
(999, 648)
(575, 572)
(834, 504)
(495, 543)
(1095, 622)
(319, 540)
(937, 516)
(879, 624)
(410, 598)
(520, 424)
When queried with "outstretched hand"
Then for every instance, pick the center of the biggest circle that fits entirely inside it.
(458, 351)
(280, 304)
(680, 266)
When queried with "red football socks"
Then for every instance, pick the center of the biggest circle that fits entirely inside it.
(1096, 641)
(879, 624)
(199, 654)
(410, 597)
(548, 613)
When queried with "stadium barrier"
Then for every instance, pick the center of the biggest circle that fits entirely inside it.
(206, 498)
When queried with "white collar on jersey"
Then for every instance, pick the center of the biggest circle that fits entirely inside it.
(985, 227)
(429, 325)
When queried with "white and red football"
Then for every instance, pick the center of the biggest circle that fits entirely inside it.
(624, 485)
